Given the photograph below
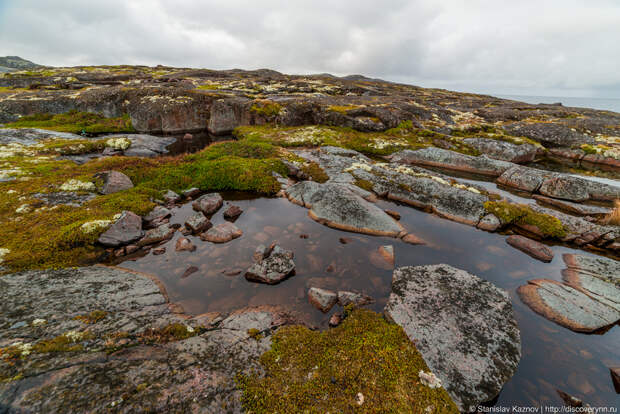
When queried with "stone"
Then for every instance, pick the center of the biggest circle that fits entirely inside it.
(549, 134)
(597, 277)
(125, 230)
(533, 248)
(208, 203)
(189, 271)
(191, 192)
(159, 250)
(387, 252)
(433, 304)
(569, 400)
(322, 299)
(113, 182)
(615, 378)
(383, 257)
(171, 197)
(567, 306)
(489, 222)
(523, 178)
(184, 245)
(131, 248)
(573, 208)
(157, 215)
(274, 268)
(565, 187)
(197, 222)
(393, 214)
(221, 233)
(336, 206)
(412, 239)
(503, 150)
(353, 298)
(261, 252)
(156, 235)
(67, 198)
(232, 212)
(335, 319)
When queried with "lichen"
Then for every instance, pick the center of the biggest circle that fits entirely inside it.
(77, 185)
(121, 143)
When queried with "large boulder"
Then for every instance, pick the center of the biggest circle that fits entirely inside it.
(336, 206)
(463, 326)
(503, 150)
(113, 182)
(272, 266)
(228, 114)
(126, 229)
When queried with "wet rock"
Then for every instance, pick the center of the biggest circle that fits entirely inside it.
(345, 240)
(387, 252)
(567, 306)
(68, 198)
(322, 299)
(208, 203)
(127, 229)
(489, 222)
(335, 319)
(573, 208)
(393, 214)
(189, 271)
(222, 233)
(159, 250)
(615, 378)
(274, 268)
(438, 157)
(353, 298)
(184, 245)
(171, 197)
(336, 206)
(113, 182)
(191, 192)
(412, 239)
(597, 277)
(261, 252)
(232, 271)
(198, 223)
(549, 134)
(157, 216)
(523, 178)
(232, 212)
(433, 304)
(503, 150)
(156, 235)
(569, 400)
(383, 257)
(565, 187)
(131, 248)
(531, 247)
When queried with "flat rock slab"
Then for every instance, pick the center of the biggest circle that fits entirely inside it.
(463, 326)
(567, 306)
(502, 150)
(144, 145)
(166, 376)
(573, 208)
(531, 247)
(222, 233)
(208, 203)
(597, 277)
(275, 265)
(441, 158)
(127, 229)
(336, 206)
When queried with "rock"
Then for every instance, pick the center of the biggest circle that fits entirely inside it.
(567, 306)
(393, 214)
(188, 137)
(615, 378)
(157, 215)
(569, 400)
(523, 178)
(353, 298)
(597, 277)
(412, 239)
(113, 182)
(159, 250)
(171, 197)
(433, 304)
(573, 208)
(189, 271)
(322, 299)
(274, 268)
(549, 134)
(184, 245)
(232, 212)
(503, 150)
(531, 247)
(127, 229)
(68, 198)
(489, 222)
(208, 203)
(565, 187)
(221, 233)
(438, 157)
(131, 248)
(336, 206)
(198, 223)
(191, 192)
(383, 257)
(387, 252)
(232, 271)
(156, 235)
(261, 252)
(335, 319)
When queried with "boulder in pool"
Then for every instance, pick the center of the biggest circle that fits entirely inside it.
(273, 268)
(208, 203)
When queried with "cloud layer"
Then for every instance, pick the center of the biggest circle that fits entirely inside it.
(560, 47)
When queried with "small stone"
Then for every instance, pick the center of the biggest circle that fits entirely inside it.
(156, 215)
(489, 223)
(322, 299)
(345, 240)
(132, 248)
(113, 182)
(232, 213)
(188, 137)
(222, 233)
(156, 235)
(159, 250)
(615, 378)
(232, 272)
(412, 239)
(531, 247)
(127, 229)
(191, 192)
(393, 214)
(119, 252)
(429, 379)
(569, 399)
(190, 270)
(359, 398)
(184, 245)
(387, 252)
(171, 197)
(261, 252)
(197, 223)
(303, 236)
(335, 319)
(358, 299)
(208, 203)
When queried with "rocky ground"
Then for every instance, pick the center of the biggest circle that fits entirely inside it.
(88, 174)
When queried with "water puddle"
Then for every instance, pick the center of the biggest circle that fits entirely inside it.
(553, 357)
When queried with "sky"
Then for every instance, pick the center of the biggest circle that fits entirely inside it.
(525, 47)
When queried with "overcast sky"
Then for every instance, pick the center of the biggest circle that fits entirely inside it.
(530, 47)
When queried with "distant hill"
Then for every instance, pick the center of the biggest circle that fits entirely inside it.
(13, 63)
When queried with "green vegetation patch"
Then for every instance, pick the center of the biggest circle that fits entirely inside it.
(315, 172)
(510, 213)
(364, 359)
(343, 109)
(172, 332)
(72, 146)
(75, 122)
(266, 108)
(92, 317)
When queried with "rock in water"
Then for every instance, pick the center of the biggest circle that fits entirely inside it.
(273, 268)
(463, 326)
(358, 299)
(161, 233)
(184, 245)
(126, 229)
(222, 233)
(157, 216)
(113, 182)
(232, 212)
(322, 299)
(208, 203)
(198, 223)
(531, 247)
(597, 277)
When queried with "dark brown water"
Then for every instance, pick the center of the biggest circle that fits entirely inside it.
(553, 357)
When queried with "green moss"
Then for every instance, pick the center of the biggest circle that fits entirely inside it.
(317, 372)
(169, 333)
(72, 146)
(208, 87)
(589, 149)
(342, 109)
(266, 108)
(92, 317)
(510, 213)
(364, 184)
(61, 343)
(255, 334)
(315, 172)
(75, 122)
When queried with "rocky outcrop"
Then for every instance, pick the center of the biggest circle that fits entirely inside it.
(117, 327)
(272, 266)
(336, 206)
(228, 114)
(533, 248)
(126, 229)
(503, 150)
(474, 350)
(549, 134)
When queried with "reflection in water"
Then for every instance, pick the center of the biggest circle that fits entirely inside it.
(553, 357)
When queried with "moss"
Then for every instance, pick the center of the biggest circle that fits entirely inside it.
(343, 109)
(92, 317)
(510, 213)
(62, 343)
(315, 172)
(364, 184)
(266, 108)
(74, 122)
(255, 334)
(208, 87)
(72, 147)
(309, 371)
(589, 149)
(169, 333)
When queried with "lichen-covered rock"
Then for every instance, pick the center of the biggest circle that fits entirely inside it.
(156, 216)
(232, 212)
(573, 208)
(222, 233)
(208, 203)
(273, 268)
(197, 222)
(67, 198)
(503, 150)
(597, 277)
(113, 182)
(473, 349)
(533, 248)
(126, 229)
(346, 298)
(551, 134)
(156, 235)
(322, 299)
